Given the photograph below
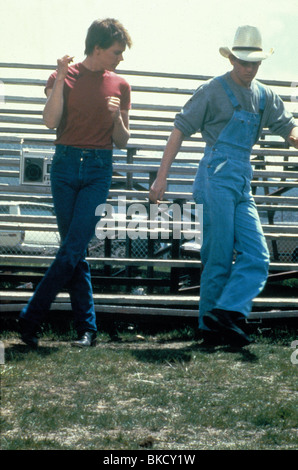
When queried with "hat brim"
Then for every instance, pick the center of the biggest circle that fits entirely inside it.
(248, 56)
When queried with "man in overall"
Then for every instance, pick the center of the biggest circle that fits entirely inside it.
(230, 112)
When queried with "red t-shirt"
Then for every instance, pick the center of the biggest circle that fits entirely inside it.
(86, 121)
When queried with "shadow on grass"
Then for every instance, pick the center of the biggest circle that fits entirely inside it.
(16, 352)
(185, 355)
(161, 356)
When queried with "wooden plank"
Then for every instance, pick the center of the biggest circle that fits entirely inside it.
(279, 83)
(25, 100)
(280, 228)
(47, 260)
(21, 120)
(191, 149)
(175, 169)
(26, 130)
(27, 66)
(25, 188)
(21, 111)
(138, 194)
(37, 198)
(24, 81)
(276, 208)
(9, 174)
(31, 221)
(144, 159)
(139, 310)
(272, 314)
(155, 300)
(274, 184)
(23, 260)
(138, 146)
(44, 226)
(149, 305)
(288, 200)
(110, 309)
(281, 236)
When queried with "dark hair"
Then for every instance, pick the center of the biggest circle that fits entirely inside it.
(104, 33)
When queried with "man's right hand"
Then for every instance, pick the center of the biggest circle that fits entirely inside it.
(62, 68)
(157, 190)
(159, 186)
(53, 109)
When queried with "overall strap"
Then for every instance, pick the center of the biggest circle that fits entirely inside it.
(228, 91)
(233, 98)
(262, 97)
(262, 104)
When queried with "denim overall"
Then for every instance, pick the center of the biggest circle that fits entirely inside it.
(231, 226)
(80, 180)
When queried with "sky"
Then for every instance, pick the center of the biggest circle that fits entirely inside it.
(177, 36)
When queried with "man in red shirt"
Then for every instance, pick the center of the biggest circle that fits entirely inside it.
(88, 104)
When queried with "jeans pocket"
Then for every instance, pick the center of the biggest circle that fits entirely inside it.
(103, 159)
(59, 154)
(216, 167)
(101, 162)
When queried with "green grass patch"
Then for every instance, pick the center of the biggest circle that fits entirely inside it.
(161, 390)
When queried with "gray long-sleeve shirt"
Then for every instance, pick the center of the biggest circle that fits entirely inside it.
(209, 110)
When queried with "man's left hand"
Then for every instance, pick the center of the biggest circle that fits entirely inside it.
(293, 137)
(114, 106)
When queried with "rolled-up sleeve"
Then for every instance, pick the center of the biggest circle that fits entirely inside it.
(50, 82)
(191, 118)
(279, 120)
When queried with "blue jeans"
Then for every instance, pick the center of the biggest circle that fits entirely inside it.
(80, 180)
(234, 254)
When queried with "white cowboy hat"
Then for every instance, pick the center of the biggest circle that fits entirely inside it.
(247, 45)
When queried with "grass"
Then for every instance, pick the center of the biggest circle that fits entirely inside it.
(155, 389)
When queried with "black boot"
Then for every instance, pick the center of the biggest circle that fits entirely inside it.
(86, 339)
(28, 332)
(211, 339)
(225, 322)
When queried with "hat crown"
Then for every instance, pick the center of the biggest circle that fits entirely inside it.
(248, 37)
(247, 45)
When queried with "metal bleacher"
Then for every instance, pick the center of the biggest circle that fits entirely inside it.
(146, 274)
